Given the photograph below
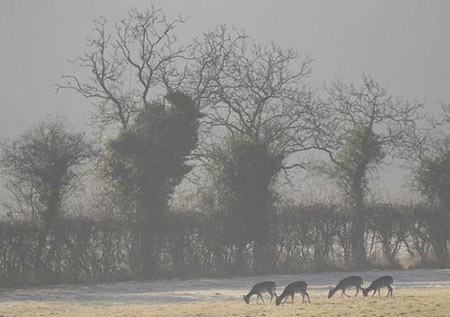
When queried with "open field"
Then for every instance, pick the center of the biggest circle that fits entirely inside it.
(416, 293)
(427, 302)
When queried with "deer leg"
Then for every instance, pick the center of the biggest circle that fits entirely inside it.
(309, 301)
(362, 290)
(346, 294)
(389, 291)
(357, 291)
(271, 296)
(260, 297)
(379, 293)
(292, 298)
(303, 298)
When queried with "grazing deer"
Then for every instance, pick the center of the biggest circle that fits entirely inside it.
(384, 281)
(291, 289)
(351, 281)
(259, 288)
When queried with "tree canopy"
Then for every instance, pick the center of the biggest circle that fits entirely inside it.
(41, 165)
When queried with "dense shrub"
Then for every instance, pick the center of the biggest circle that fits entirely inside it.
(308, 238)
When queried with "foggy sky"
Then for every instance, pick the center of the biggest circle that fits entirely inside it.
(405, 45)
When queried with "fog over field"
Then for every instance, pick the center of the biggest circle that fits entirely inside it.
(416, 293)
(161, 157)
(230, 289)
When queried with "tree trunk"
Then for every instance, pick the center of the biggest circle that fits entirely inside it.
(148, 230)
(265, 257)
(359, 259)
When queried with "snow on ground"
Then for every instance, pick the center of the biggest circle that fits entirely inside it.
(211, 289)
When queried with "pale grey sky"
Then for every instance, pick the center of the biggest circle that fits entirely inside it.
(403, 44)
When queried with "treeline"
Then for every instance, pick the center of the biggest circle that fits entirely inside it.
(229, 117)
(306, 239)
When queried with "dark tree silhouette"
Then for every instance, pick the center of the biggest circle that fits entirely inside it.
(41, 167)
(259, 112)
(365, 124)
(127, 66)
(145, 163)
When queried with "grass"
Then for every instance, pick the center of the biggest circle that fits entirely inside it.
(431, 302)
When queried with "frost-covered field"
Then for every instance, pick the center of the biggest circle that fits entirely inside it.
(416, 292)
(212, 289)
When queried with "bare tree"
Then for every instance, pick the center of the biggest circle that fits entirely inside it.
(128, 65)
(258, 110)
(252, 90)
(363, 126)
